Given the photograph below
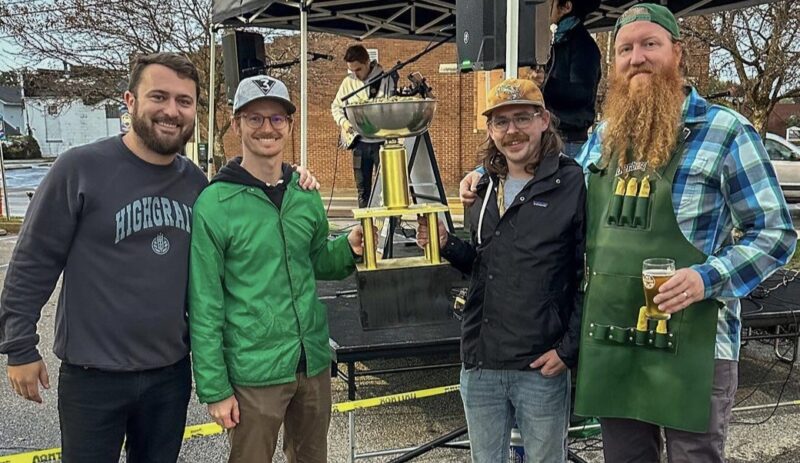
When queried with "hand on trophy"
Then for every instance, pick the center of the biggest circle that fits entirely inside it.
(422, 232)
(356, 239)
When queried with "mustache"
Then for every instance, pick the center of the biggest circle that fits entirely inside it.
(513, 138)
(639, 70)
(274, 135)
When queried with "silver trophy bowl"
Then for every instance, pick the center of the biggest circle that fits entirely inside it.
(391, 119)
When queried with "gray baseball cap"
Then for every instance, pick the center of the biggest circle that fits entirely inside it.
(262, 88)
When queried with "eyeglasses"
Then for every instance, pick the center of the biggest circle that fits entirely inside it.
(255, 120)
(521, 121)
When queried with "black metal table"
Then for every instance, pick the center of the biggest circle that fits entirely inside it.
(438, 344)
(772, 312)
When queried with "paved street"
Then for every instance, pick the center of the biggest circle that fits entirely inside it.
(21, 179)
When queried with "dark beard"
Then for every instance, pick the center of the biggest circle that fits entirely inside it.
(146, 131)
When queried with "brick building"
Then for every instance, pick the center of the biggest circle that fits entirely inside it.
(455, 133)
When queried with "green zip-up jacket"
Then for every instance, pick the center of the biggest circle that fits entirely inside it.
(252, 285)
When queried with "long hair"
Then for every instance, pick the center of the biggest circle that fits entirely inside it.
(495, 163)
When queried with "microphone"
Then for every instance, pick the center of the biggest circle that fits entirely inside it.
(315, 56)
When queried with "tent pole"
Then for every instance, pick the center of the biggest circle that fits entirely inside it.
(211, 102)
(512, 38)
(303, 83)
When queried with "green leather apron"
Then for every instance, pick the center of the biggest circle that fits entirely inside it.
(627, 368)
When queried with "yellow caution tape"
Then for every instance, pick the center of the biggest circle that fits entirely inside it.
(345, 407)
(201, 430)
(33, 457)
(210, 429)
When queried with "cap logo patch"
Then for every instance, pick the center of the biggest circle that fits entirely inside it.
(265, 85)
(636, 11)
(508, 92)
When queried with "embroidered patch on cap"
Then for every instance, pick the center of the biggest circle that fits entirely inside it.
(265, 85)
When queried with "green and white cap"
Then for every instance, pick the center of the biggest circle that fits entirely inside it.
(650, 12)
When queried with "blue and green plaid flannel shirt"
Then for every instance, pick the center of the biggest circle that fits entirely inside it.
(725, 181)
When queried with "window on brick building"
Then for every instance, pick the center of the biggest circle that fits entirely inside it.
(112, 111)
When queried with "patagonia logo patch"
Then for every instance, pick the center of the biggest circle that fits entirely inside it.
(540, 204)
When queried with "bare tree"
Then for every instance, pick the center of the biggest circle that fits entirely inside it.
(759, 47)
(106, 34)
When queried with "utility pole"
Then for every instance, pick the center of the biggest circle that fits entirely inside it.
(3, 166)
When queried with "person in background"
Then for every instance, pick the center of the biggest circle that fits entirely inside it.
(570, 78)
(366, 159)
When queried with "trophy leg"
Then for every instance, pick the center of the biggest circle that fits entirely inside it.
(433, 242)
(370, 258)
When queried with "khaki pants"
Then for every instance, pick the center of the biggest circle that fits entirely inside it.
(304, 409)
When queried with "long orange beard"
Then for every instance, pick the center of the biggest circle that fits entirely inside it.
(643, 117)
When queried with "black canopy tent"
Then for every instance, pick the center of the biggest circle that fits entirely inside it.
(401, 19)
(408, 19)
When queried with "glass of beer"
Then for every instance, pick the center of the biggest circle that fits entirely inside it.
(655, 272)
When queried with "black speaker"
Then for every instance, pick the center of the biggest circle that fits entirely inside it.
(481, 34)
(244, 56)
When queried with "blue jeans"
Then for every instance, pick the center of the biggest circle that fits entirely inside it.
(493, 399)
(572, 149)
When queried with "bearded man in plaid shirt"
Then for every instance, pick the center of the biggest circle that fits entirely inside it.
(717, 178)
(669, 176)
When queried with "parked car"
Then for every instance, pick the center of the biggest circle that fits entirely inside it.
(785, 158)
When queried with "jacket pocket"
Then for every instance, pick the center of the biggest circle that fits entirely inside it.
(256, 326)
(534, 329)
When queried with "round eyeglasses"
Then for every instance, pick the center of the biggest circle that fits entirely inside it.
(256, 121)
(521, 121)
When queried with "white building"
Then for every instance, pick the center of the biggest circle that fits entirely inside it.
(11, 109)
(59, 126)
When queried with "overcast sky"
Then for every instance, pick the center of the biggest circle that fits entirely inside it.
(7, 58)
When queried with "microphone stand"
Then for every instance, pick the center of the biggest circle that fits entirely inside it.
(393, 72)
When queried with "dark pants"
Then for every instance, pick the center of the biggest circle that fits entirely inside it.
(366, 157)
(99, 409)
(631, 441)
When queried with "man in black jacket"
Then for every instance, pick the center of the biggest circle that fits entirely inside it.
(572, 72)
(523, 311)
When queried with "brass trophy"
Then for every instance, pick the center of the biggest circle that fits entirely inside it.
(391, 119)
(402, 291)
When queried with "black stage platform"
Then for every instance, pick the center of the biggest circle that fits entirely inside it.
(350, 343)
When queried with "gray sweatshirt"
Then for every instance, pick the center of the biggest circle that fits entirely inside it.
(118, 227)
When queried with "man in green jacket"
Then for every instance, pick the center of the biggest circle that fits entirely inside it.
(259, 333)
